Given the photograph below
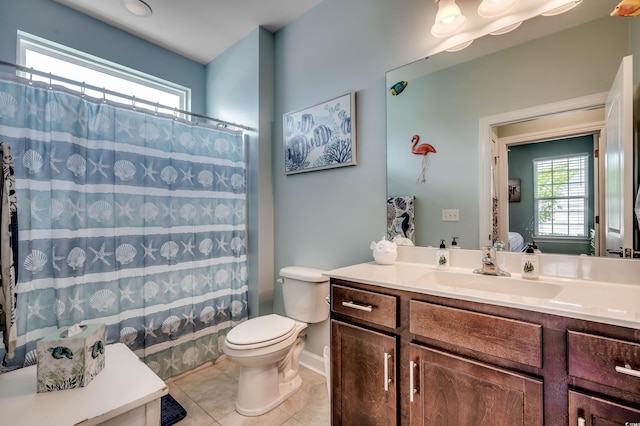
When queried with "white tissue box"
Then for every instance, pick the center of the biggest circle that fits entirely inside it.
(70, 362)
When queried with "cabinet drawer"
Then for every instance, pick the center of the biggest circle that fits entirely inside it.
(595, 358)
(374, 307)
(502, 337)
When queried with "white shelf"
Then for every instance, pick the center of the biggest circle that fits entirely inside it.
(125, 392)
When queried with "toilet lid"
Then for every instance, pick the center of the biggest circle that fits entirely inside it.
(266, 328)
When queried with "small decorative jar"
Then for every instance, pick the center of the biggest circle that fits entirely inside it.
(384, 252)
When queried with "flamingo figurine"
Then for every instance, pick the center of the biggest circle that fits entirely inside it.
(422, 149)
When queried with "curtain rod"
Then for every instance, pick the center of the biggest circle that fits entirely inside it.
(133, 99)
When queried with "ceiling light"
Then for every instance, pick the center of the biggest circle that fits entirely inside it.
(449, 19)
(562, 9)
(137, 7)
(492, 8)
(506, 29)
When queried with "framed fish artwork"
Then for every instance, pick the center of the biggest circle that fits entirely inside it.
(322, 136)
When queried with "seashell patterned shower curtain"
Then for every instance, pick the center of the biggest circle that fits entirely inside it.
(126, 218)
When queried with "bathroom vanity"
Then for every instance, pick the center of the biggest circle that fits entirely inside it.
(411, 345)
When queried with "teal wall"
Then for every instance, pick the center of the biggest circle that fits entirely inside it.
(327, 219)
(521, 214)
(240, 85)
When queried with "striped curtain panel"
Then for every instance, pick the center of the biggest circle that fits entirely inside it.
(126, 218)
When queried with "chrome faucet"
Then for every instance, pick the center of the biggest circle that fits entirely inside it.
(489, 264)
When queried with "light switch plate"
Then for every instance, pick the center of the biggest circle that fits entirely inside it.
(450, 215)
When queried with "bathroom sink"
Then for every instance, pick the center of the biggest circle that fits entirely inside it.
(488, 283)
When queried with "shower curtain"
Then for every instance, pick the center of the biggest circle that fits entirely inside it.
(126, 218)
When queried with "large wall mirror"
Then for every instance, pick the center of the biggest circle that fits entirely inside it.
(489, 111)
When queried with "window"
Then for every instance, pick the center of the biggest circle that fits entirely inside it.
(561, 196)
(43, 55)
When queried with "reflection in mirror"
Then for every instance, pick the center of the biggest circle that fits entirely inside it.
(552, 182)
(445, 99)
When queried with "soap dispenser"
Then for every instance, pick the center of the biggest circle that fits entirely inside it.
(535, 248)
(530, 269)
(454, 243)
(442, 257)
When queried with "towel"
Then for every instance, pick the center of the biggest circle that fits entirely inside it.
(400, 218)
(637, 209)
(8, 253)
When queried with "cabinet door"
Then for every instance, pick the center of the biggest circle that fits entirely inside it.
(450, 390)
(363, 376)
(585, 410)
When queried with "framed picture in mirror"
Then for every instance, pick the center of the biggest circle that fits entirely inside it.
(514, 190)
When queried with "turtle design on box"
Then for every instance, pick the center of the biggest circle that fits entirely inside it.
(60, 351)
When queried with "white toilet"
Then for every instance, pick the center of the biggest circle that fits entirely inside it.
(268, 347)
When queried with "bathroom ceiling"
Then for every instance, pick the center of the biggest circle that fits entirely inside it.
(197, 29)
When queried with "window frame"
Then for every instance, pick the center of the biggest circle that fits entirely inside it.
(585, 198)
(29, 42)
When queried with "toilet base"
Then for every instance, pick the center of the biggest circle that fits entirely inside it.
(285, 391)
(269, 375)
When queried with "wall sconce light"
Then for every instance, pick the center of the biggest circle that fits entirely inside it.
(449, 19)
(493, 8)
(137, 7)
(494, 17)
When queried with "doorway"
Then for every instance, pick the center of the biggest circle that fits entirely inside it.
(561, 120)
(552, 194)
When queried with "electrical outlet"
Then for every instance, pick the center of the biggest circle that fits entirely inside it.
(450, 215)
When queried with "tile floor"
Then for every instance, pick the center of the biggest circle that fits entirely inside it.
(208, 394)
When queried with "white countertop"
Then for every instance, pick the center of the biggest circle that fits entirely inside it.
(606, 302)
(124, 384)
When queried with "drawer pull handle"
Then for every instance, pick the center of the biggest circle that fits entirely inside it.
(387, 380)
(351, 304)
(582, 422)
(628, 370)
(412, 388)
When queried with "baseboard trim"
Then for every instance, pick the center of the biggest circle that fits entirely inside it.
(313, 362)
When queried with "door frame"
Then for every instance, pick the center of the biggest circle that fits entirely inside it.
(487, 150)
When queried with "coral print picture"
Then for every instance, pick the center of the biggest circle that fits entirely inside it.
(321, 137)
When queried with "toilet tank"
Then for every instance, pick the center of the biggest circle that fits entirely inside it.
(304, 291)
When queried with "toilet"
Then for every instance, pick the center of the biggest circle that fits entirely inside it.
(268, 347)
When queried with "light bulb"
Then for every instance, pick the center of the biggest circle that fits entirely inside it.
(449, 19)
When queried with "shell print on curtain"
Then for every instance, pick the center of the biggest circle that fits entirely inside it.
(129, 219)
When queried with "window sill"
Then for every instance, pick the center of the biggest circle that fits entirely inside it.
(568, 240)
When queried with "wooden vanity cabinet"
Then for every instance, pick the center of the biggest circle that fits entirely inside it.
(453, 390)
(465, 391)
(606, 373)
(363, 357)
(365, 390)
(456, 362)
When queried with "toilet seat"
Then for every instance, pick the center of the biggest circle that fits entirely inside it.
(260, 332)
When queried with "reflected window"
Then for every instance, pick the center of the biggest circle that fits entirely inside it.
(561, 196)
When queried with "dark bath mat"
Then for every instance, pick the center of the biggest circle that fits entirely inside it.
(171, 411)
